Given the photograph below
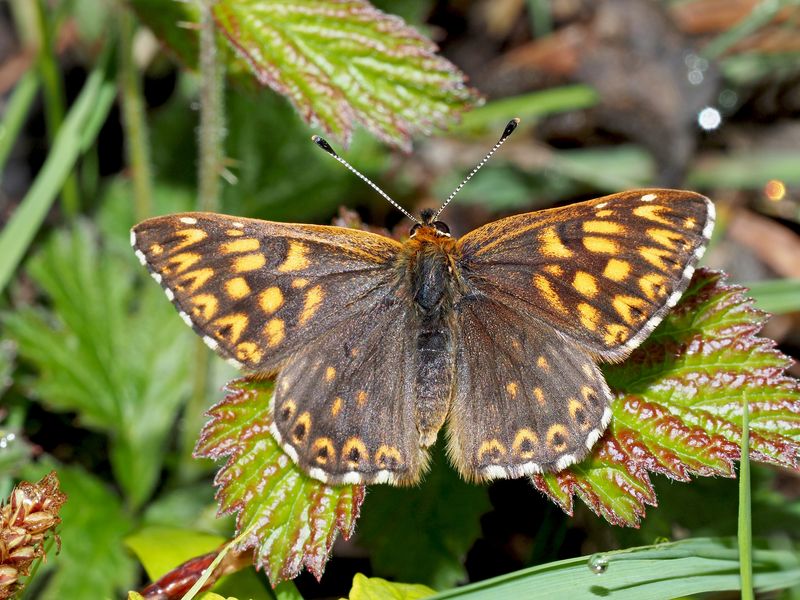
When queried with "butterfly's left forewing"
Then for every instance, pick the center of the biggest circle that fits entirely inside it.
(603, 273)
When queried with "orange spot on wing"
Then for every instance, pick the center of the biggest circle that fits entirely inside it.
(330, 373)
(299, 283)
(652, 285)
(190, 236)
(539, 395)
(182, 262)
(237, 288)
(600, 245)
(665, 237)
(557, 437)
(585, 284)
(249, 262)
(511, 388)
(336, 407)
(550, 295)
(204, 306)
(230, 327)
(629, 308)
(493, 449)
(652, 212)
(296, 258)
(589, 316)
(275, 332)
(656, 256)
(248, 352)
(603, 227)
(551, 244)
(388, 457)
(615, 335)
(617, 270)
(193, 280)
(312, 302)
(270, 300)
(524, 445)
(241, 245)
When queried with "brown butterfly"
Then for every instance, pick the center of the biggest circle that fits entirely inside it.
(376, 344)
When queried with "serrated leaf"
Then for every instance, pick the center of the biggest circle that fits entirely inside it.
(294, 519)
(343, 61)
(439, 519)
(678, 406)
(375, 588)
(109, 351)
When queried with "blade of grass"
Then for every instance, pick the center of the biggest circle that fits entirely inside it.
(667, 570)
(761, 14)
(776, 296)
(528, 107)
(16, 113)
(91, 107)
(745, 536)
(54, 97)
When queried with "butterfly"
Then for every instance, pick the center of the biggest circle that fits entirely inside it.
(376, 345)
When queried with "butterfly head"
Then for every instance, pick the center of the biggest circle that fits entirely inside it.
(429, 226)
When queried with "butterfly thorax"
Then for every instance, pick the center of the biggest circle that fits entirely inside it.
(428, 268)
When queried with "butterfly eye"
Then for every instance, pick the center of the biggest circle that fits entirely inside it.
(414, 230)
(441, 227)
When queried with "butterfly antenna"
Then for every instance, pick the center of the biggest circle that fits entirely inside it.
(322, 143)
(512, 125)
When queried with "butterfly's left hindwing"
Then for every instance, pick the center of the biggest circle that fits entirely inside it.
(257, 291)
(526, 399)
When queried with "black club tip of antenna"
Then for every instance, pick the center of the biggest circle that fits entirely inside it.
(322, 143)
(512, 125)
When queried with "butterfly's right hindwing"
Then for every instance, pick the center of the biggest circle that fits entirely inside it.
(256, 291)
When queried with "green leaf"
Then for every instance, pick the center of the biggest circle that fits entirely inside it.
(678, 406)
(161, 549)
(291, 519)
(109, 349)
(669, 570)
(439, 519)
(375, 588)
(344, 62)
(92, 561)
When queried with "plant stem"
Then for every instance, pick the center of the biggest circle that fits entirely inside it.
(745, 533)
(54, 103)
(138, 148)
(212, 118)
(210, 144)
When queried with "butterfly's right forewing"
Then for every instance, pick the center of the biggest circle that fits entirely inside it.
(323, 307)
(257, 291)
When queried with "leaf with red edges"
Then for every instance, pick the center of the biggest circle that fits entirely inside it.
(344, 61)
(296, 519)
(678, 406)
